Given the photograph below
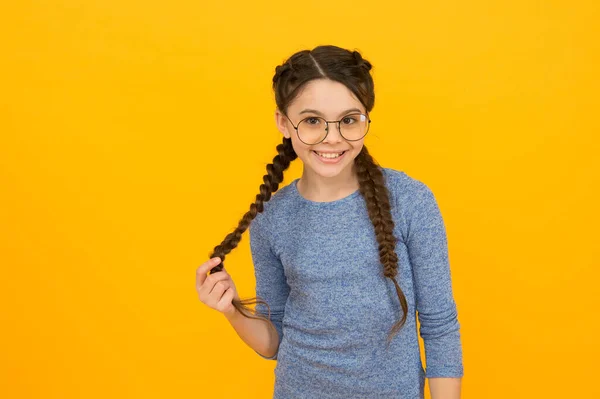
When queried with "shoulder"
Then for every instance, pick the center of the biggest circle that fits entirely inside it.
(411, 199)
(403, 186)
(408, 195)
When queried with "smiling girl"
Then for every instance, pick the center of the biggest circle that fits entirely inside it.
(345, 257)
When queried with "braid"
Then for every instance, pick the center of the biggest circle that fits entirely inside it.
(280, 70)
(361, 62)
(274, 176)
(374, 191)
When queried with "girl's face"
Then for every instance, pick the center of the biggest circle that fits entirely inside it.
(332, 100)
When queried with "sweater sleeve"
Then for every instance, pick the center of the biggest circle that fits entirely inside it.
(428, 251)
(271, 283)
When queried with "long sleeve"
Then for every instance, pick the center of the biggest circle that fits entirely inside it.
(428, 251)
(271, 283)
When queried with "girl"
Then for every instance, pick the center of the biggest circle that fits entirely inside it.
(344, 256)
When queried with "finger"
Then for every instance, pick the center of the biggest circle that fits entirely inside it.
(218, 290)
(210, 281)
(204, 268)
(225, 300)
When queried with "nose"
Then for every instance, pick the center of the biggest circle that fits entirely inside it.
(333, 133)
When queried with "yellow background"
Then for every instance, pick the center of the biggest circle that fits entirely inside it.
(134, 135)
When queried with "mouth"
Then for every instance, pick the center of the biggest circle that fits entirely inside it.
(330, 159)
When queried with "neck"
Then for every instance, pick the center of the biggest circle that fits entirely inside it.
(324, 189)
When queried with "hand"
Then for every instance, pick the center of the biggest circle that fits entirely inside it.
(216, 290)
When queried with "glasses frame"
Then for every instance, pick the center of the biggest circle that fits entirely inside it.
(327, 126)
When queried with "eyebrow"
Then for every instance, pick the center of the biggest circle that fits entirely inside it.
(314, 111)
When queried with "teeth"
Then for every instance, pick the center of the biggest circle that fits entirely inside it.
(328, 155)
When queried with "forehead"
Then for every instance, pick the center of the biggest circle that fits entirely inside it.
(327, 96)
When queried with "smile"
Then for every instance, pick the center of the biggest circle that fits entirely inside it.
(330, 158)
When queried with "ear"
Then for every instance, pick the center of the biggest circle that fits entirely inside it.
(282, 123)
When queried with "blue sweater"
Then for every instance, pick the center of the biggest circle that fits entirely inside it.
(317, 266)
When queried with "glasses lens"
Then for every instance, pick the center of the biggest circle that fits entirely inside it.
(354, 126)
(312, 130)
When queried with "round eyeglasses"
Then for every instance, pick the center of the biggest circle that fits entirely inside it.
(313, 129)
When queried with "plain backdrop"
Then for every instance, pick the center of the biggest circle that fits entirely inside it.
(134, 135)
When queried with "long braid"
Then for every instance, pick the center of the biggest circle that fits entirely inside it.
(376, 195)
(272, 179)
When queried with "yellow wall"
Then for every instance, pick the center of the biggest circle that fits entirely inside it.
(134, 135)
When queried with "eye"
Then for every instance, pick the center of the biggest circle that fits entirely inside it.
(312, 120)
(348, 120)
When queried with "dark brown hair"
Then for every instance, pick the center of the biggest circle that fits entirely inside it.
(352, 70)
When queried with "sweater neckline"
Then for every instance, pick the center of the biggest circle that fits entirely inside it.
(306, 201)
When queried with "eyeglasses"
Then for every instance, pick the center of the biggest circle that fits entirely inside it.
(313, 129)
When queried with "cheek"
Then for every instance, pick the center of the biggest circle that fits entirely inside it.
(357, 147)
(300, 147)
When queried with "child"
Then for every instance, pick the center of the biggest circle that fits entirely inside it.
(345, 256)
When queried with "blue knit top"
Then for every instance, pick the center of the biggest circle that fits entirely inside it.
(317, 266)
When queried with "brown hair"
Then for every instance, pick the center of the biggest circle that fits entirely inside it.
(349, 68)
